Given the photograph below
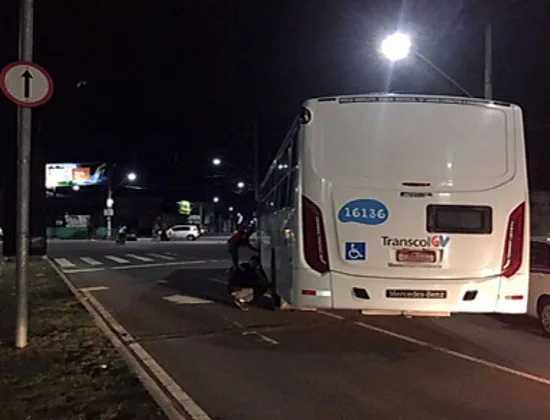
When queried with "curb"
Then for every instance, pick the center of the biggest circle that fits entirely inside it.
(175, 403)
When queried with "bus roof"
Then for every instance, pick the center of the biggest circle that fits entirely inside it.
(400, 97)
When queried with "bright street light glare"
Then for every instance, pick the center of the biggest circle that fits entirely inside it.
(231, 208)
(396, 47)
(240, 184)
(76, 187)
(132, 176)
(110, 203)
(216, 161)
(216, 199)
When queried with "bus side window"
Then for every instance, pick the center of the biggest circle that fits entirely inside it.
(540, 256)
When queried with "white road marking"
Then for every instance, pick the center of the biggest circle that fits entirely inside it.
(138, 266)
(139, 258)
(117, 259)
(190, 406)
(93, 289)
(263, 337)
(331, 315)
(164, 257)
(107, 323)
(84, 270)
(456, 354)
(166, 264)
(91, 261)
(186, 300)
(64, 263)
(215, 280)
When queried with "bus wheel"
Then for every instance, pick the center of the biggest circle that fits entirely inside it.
(544, 314)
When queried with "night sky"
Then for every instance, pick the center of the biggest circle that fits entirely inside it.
(170, 84)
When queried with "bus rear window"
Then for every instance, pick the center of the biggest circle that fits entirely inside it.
(459, 219)
(402, 142)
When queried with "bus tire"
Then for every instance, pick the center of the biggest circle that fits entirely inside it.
(543, 310)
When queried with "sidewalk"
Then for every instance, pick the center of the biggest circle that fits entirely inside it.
(69, 369)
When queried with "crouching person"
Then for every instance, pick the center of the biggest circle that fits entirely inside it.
(247, 284)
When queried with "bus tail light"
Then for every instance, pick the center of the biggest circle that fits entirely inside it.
(513, 243)
(315, 241)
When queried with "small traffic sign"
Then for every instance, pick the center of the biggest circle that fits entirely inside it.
(27, 84)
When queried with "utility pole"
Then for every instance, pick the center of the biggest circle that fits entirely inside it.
(24, 120)
(488, 91)
(256, 161)
(109, 208)
(109, 203)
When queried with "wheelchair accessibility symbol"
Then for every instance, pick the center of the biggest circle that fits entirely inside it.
(356, 251)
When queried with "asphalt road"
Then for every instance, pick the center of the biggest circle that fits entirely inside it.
(265, 364)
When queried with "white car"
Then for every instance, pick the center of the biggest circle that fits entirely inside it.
(189, 232)
(539, 282)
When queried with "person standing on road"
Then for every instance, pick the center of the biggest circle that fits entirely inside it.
(241, 238)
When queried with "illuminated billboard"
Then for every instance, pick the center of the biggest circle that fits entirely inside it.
(70, 174)
(184, 207)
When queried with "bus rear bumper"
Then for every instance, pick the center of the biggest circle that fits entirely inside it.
(371, 294)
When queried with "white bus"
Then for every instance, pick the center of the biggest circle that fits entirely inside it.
(399, 204)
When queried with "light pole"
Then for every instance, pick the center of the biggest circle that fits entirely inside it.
(109, 212)
(488, 76)
(218, 162)
(398, 46)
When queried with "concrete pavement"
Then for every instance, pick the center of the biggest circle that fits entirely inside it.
(320, 365)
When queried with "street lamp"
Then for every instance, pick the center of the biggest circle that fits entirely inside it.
(231, 208)
(216, 199)
(109, 213)
(240, 185)
(216, 161)
(398, 46)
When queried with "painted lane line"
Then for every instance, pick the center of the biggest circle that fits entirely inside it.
(166, 264)
(139, 258)
(456, 354)
(166, 380)
(139, 361)
(84, 270)
(64, 263)
(215, 280)
(340, 317)
(186, 300)
(91, 261)
(163, 257)
(93, 289)
(137, 266)
(117, 259)
(262, 337)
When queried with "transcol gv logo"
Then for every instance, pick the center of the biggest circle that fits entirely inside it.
(435, 241)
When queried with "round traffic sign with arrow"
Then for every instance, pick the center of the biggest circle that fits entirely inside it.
(27, 84)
